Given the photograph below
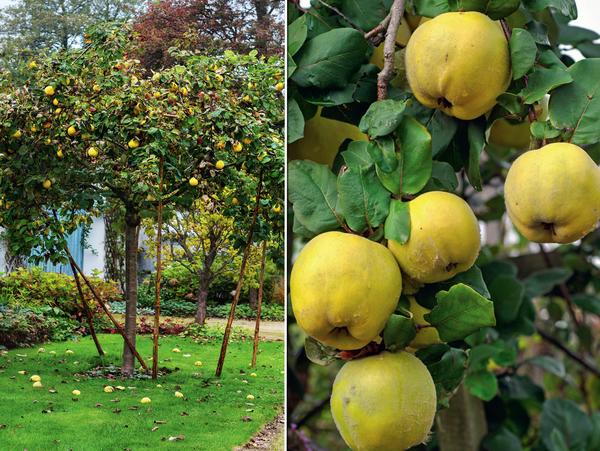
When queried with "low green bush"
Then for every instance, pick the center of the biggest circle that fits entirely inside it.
(269, 312)
(213, 333)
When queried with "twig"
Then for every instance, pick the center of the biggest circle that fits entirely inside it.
(573, 355)
(341, 14)
(377, 34)
(389, 47)
(506, 29)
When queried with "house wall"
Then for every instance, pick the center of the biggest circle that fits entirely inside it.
(93, 253)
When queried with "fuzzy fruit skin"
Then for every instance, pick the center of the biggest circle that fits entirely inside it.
(552, 194)
(444, 238)
(385, 402)
(343, 289)
(426, 336)
(322, 139)
(458, 58)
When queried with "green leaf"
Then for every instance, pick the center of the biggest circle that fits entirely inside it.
(383, 153)
(476, 136)
(382, 117)
(312, 191)
(548, 363)
(565, 416)
(295, 121)
(572, 35)
(543, 130)
(507, 294)
(541, 282)
(495, 9)
(442, 129)
(522, 52)
(397, 224)
(319, 353)
(576, 106)
(565, 7)
(588, 302)
(502, 440)
(594, 442)
(357, 156)
(297, 32)
(550, 74)
(520, 388)
(447, 367)
(482, 384)
(363, 201)
(330, 59)
(431, 8)
(365, 13)
(557, 441)
(398, 332)
(460, 312)
(415, 155)
(443, 177)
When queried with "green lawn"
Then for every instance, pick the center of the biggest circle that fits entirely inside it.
(215, 414)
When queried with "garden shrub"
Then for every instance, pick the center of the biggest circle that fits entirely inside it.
(214, 333)
(32, 287)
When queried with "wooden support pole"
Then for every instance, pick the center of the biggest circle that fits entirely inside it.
(87, 311)
(106, 310)
(259, 305)
(156, 328)
(238, 288)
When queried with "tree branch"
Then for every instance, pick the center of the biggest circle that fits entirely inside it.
(377, 34)
(341, 14)
(591, 367)
(389, 48)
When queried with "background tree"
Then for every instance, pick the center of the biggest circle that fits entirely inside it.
(209, 25)
(30, 27)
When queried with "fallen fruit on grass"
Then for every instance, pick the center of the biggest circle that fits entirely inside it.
(252, 374)
(384, 402)
(69, 352)
(444, 238)
(145, 400)
(176, 350)
(35, 378)
(178, 394)
(250, 397)
(41, 350)
(22, 372)
(344, 288)
(76, 392)
(108, 389)
(458, 62)
(120, 387)
(197, 363)
(552, 194)
(37, 384)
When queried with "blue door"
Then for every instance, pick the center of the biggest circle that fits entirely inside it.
(75, 243)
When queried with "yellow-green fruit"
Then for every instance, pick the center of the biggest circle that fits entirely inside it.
(133, 143)
(344, 288)
(458, 62)
(193, 181)
(444, 238)
(71, 131)
(553, 194)
(508, 134)
(385, 402)
(322, 139)
(427, 335)
(402, 38)
(92, 152)
(49, 90)
(47, 184)
(220, 164)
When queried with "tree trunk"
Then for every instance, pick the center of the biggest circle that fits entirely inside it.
(253, 297)
(132, 225)
(261, 285)
(200, 317)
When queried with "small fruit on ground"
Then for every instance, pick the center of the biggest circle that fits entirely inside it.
(92, 152)
(197, 363)
(133, 143)
(250, 397)
(108, 389)
(193, 181)
(76, 392)
(71, 131)
(427, 335)
(220, 164)
(444, 238)
(46, 184)
(35, 378)
(458, 62)
(145, 400)
(22, 372)
(178, 394)
(252, 374)
(344, 288)
(384, 402)
(37, 384)
(49, 90)
(176, 350)
(552, 194)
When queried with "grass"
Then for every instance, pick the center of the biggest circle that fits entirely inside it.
(214, 414)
